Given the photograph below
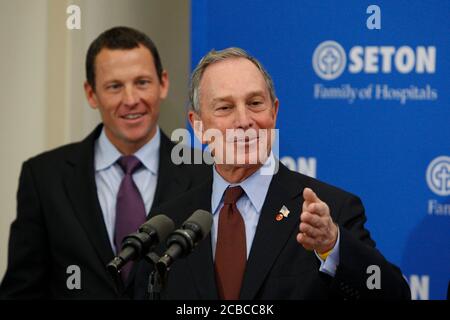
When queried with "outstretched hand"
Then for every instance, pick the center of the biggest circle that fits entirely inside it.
(317, 230)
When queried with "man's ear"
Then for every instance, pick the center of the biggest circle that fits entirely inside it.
(164, 84)
(196, 124)
(276, 104)
(90, 95)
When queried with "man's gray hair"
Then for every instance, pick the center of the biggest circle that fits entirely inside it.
(215, 56)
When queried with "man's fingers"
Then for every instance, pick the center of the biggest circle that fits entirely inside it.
(305, 205)
(310, 196)
(309, 230)
(319, 208)
(311, 219)
(305, 241)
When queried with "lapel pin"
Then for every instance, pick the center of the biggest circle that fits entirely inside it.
(284, 213)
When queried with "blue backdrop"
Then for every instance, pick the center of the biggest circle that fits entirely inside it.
(362, 108)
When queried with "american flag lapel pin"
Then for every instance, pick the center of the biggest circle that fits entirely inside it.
(284, 213)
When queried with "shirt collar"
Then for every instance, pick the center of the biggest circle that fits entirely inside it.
(255, 186)
(149, 153)
(106, 154)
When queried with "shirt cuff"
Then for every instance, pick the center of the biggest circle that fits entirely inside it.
(330, 264)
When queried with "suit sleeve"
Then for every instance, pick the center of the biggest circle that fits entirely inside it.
(28, 251)
(357, 253)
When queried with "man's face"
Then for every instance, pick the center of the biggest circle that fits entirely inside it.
(128, 95)
(234, 95)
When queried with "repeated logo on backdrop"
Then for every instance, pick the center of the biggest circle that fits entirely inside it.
(438, 180)
(438, 176)
(330, 62)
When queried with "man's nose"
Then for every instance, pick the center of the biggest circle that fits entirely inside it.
(130, 96)
(243, 118)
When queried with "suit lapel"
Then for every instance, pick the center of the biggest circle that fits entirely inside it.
(171, 180)
(82, 192)
(200, 261)
(271, 235)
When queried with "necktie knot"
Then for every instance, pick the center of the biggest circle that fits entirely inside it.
(129, 164)
(232, 195)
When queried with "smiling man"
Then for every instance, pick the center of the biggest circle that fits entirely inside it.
(276, 234)
(76, 203)
(127, 87)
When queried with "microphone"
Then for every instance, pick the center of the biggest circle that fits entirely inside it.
(137, 244)
(182, 241)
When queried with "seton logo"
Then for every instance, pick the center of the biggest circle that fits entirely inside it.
(438, 176)
(329, 59)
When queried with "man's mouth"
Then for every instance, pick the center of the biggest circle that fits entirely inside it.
(132, 116)
(246, 140)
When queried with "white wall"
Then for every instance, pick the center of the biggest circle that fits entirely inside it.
(23, 65)
(42, 103)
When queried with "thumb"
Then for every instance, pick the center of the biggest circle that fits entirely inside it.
(310, 195)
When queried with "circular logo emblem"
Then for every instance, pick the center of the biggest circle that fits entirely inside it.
(438, 176)
(329, 60)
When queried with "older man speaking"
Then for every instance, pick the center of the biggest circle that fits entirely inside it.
(277, 234)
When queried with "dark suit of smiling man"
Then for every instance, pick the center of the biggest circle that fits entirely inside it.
(73, 202)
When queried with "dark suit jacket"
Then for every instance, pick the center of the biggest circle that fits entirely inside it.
(59, 222)
(278, 267)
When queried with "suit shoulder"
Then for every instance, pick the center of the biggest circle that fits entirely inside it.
(71, 150)
(321, 187)
(52, 157)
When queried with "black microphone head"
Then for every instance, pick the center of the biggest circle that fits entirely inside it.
(203, 220)
(161, 224)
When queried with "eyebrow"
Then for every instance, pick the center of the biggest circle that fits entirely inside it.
(230, 97)
(139, 77)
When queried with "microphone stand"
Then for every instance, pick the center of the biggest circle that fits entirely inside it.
(156, 281)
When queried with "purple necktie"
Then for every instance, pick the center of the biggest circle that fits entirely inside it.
(130, 208)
